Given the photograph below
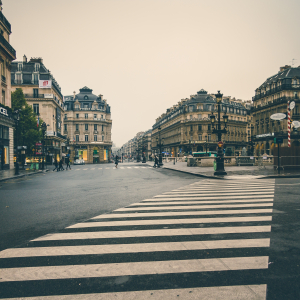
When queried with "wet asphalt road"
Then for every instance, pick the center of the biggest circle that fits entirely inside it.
(38, 205)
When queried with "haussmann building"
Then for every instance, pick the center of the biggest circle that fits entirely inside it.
(87, 124)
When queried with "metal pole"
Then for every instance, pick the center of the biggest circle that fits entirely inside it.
(278, 159)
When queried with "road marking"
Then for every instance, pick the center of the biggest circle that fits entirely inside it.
(99, 168)
(133, 268)
(188, 201)
(185, 213)
(128, 167)
(216, 193)
(133, 248)
(199, 197)
(149, 233)
(237, 292)
(77, 169)
(192, 191)
(171, 222)
(92, 169)
(192, 207)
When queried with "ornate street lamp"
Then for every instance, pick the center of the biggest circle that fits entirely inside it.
(220, 155)
(44, 128)
(16, 116)
(160, 143)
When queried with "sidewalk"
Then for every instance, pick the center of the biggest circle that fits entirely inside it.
(232, 171)
(10, 174)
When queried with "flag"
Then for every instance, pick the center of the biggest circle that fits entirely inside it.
(38, 121)
(73, 138)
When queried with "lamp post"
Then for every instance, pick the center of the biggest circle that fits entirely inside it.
(220, 155)
(138, 152)
(206, 144)
(44, 128)
(16, 116)
(159, 142)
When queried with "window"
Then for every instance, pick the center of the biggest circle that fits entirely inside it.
(209, 127)
(191, 128)
(77, 127)
(86, 116)
(36, 109)
(190, 108)
(36, 67)
(86, 126)
(209, 138)
(77, 106)
(95, 116)
(20, 67)
(95, 138)
(35, 93)
(102, 127)
(65, 126)
(35, 78)
(200, 137)
(66, 117)
(101, 116)
(102, 138)
(199, 127)
(199, 116)
(86, 98)
(77, 116)
(3, 97)
(95, 127)
(86, 138)
(77, 138)
(191, 117)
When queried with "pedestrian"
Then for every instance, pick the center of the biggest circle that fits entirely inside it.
(155, 162)
(117, 161)
(68, 163)
(61, 168)
(56, 165)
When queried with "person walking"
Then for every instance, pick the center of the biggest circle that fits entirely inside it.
(155, 162)
(56, 165)
(61, 168)
(117, 161)
(68, 163)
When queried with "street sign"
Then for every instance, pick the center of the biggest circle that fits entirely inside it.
(279, 116)
(296, 124)
(292, 104)
(278, 140)
(220, 144)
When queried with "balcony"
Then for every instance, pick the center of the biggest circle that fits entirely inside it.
(277, 89)
(3, 78)
(4, 21)
(296, 117)
(34, 95)
(6, 45)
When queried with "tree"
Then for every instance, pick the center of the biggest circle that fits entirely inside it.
(27, 132)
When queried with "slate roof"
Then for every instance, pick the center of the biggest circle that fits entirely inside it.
(289, 74)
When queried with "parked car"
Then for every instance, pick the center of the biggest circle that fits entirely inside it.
(79, 162)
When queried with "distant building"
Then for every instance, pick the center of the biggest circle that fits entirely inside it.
(186, 127)
(87, 123)
(43, 93)
(273, 97)
(7, 55)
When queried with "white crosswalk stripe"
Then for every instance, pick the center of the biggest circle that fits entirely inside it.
(179, 233)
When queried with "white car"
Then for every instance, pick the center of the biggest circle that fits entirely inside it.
(79, 162)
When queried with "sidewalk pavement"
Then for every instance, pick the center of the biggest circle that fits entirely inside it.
(232, 171)
(10, 174)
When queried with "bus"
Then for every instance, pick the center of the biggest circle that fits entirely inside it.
(205, 154)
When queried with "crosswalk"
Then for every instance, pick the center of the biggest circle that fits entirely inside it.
(109, 168)
(207, 240)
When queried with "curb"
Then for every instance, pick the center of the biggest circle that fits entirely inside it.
(23, 175)
(215, 177)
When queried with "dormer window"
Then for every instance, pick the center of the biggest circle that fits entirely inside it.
(20, 67)
(36, 67)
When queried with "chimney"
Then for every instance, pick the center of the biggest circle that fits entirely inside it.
(25, 58)
(74, 93)
(101, 97)
(284, 68)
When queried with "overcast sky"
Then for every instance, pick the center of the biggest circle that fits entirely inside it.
(146, 55)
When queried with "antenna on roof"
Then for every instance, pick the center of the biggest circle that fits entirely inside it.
(292, 61)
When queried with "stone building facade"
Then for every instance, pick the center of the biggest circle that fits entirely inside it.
(43, 93)
(273, 97)
(7, 55)
(88, 124)
(186, 127)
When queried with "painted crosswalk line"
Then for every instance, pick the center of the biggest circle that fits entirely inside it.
(193, 230)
